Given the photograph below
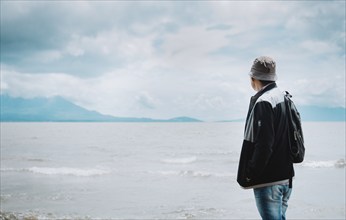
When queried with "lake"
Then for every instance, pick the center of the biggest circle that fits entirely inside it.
(156, 171)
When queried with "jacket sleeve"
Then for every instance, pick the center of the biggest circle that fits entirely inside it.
(264, 139)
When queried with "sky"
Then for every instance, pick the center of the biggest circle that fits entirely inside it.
(164, 59)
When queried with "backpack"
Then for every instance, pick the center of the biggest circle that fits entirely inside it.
(295, 132)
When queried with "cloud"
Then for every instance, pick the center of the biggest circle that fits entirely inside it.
(320, 90)
(145, 100)
(318, 47)
(167, 59)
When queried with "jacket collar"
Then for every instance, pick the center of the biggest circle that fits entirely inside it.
(261, 92)
(265, 89)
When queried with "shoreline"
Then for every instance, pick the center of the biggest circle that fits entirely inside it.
(16, 216)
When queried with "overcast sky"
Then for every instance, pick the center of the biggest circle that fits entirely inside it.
(165, 59)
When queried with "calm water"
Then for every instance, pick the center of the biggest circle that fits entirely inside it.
(155, 171)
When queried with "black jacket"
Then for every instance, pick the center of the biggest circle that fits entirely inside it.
(264, 156)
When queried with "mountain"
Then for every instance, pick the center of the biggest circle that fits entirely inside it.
(60, 110)
(315, 113)
(184, 119)
(45, 109)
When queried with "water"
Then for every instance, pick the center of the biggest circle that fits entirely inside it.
(155, 171)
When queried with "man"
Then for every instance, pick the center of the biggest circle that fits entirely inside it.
(265, 165)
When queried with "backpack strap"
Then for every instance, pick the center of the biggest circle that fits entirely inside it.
(288, 101)
(288, 117)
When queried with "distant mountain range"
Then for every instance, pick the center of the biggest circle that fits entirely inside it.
(315, 113)
(58, 109)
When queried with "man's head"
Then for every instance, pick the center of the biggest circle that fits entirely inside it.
(263, 69)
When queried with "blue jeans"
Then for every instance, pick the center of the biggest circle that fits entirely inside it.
(271, 201)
